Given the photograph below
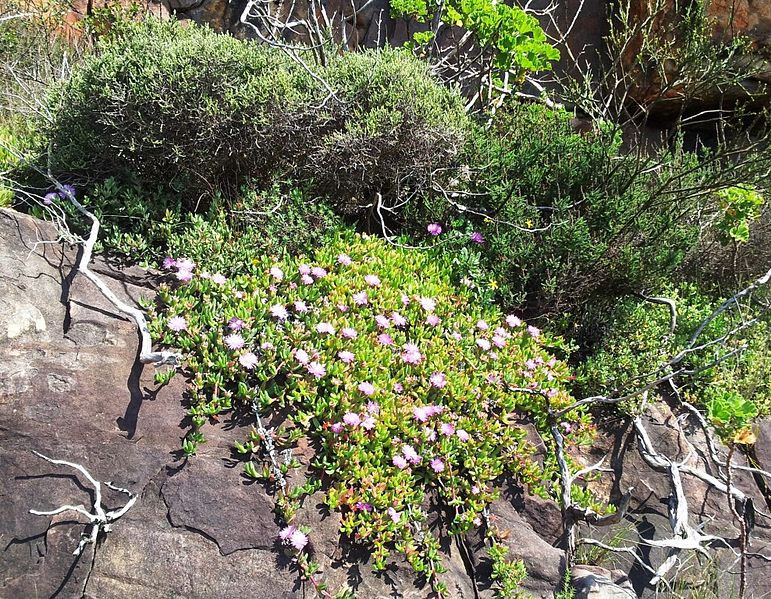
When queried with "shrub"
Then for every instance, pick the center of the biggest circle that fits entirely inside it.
(200, 111)
(637, 341)
(407, 386)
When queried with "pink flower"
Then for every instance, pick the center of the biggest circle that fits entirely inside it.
(512, 321)
(551, 393)
(447, 429)
(306, 280)
(234, 341)
(205, 275)
(304, 269)
(236, 324)
(409, 453)
(316, 369)
(337, 428)
(301, 356)
(434, 410)
(267, 346)
(534, 331)
(475, 490)
(405, 300)
(286, 533)
(248, 360)
(501, 332)
(433, 320)
(277, 273)
(279, 312)
(482, 325)
(373, 408)
(434, 229)
(372, 280)
(185, 276)
(398, 319)
(363, 506)
(300, 307)
(366, 388)
(394, 515)
(352, 419)
(344, 259)
(530, 364)
(346, 356)
(361, 298)
(411, 354)
(382, 321)
(437, 465)
(398, 387)
(368, 423)
(499, 342)
(566, 426)
(399, 461)
(343, 308)
(420, 413)
(298, 540)
(438, 380)
(430, 434)
(456, 335)
(483, 344)
(385, 339)
(318, 272)
(168, 261)
(185, 264)
(325, 328)
(427, 304)
(477, 237)
(177, 323)
(219, 279)
(349, 333)
(462, 435)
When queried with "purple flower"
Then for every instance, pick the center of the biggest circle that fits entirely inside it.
(398, 387)
(234, 341)
(382, 321)
(394, 515)
(399, 461)
(352, 419)
(300, 307)
(477, 237)
(368, 423)
(177, 323)
(298, 540)
(277, 273)
(398, 319)
(420, 413)
(349, 333)
(306, 280)
(185, 264)
(434, 410)
(447, 429)
(482, 325)
(366, 388)
(433, 320)
(67, 191)
(405, 300)
(499, 342)
(456, 335)
(318, 272)
(427, 304)
(411, 354)
(437, 465)
(279, 312)
(409, 453)
(286, 533)
(267, 345)
(325, 328)
(373, 408)
(185, 276)
(438, 380)
(316, 369)
(248, 360)
(363, 506)
(462, 435)
(344, 259)
(534, 332)
(361, 298)
(346, 356)
(483, 344)
(50, 198)
(434, 229)
(236, 324)
(512, 321)
(302, 356)
(337, 428)
(501, 332)
(372, 280)
(385, 339)
(169, 263)
(343, 308)
(304, 269)
(219, 279)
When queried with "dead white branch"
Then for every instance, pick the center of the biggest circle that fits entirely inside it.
(99, 519)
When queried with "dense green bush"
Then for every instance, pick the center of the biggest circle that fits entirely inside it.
(637, 342)
(184, 107)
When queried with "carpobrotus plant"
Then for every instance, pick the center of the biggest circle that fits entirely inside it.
(410, 389)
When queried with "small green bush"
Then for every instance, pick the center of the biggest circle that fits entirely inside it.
(186, 108)
(407, 386)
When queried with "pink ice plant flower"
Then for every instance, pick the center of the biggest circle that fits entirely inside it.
(438, 380)
(316, 369)
(325, 328)
(285, 533)
(306, 280)
(304, 269)
(394, 515)
(177, 323)
(501, 332)
(399, 461)
(409, 453)
(337, 428)
(346, 356)
(512, 321)
(534, 332)
(433, 320)
(434, 229)
(368, 423)
(352, 419)
(300, 307)
(298, 540)
(302, 356)
(437, 465)
(382, 321)
(398, 319)
(447, 429)
(318, 272)
(361, 298)
(234, 341)
(405, 300)
(372, 280)
(185, 264)
(411, 354)
(344, 259)
(348, 333)
(373, 408)
(427, 304)
(483, 344)
(477, 237)
(499, 342)
(248, 360)
(236, 324)
(385, 339)
(279, 312)
(185, 276)
(219, 279)
(482, 325)
(168, 262)
(366, 388)
(462, 435)
(277, 273)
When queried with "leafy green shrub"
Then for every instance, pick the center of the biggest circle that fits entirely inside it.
(185, 107)
(637, 341)
(407, 386)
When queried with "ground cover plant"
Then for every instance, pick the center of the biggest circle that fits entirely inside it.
(410, 387)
